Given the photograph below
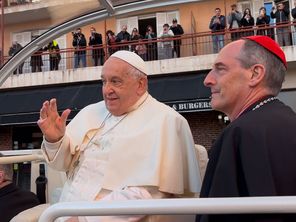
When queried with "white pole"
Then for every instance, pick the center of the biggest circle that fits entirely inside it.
(20, 159)
(245, 205)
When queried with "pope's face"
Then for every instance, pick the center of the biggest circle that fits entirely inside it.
(120, 89)
(228, 80)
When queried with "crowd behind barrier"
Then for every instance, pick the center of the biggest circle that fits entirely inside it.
(157, 48)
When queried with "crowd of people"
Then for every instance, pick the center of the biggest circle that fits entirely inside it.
(242, 24)
(239, 24)
(146, 46)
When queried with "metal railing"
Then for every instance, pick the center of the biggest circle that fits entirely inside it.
(193, 44)
(245, 205)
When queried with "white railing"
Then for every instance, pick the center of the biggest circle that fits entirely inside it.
(245, 205)
(19, 156)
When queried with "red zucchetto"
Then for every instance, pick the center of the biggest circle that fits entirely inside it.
(270, 45)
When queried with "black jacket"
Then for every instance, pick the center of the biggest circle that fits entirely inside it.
(178, 30)
(281, 16)
(79, 42)
(216, 27)
(96, 40)
(254, 156)
(13, 200)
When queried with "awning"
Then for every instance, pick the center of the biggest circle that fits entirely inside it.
(185, 92)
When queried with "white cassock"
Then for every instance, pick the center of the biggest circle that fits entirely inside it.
(146, 153)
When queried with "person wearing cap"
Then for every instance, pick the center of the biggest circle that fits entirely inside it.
(178, 31)
(129, 146)
(255, 154)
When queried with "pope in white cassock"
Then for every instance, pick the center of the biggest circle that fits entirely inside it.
(129, 146)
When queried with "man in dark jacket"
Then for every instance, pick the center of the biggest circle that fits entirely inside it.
(178, 31)
(79, 43)
(218, 24)
(255, 153)
(281, 15)
(54, 55)
(13, 200)
(12, 51)
(123, 37)
(95, 40)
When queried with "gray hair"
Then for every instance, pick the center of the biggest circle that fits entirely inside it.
(135, 73)
(7, 169)
(252, 53)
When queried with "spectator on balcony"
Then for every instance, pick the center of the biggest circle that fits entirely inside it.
(255, 154)
(167, 45)
(110, 150)
(123, 37)
(281, 15)
(178, 31)
(217, 25)
(262, 21)
(247, 22)
(13, 200)
(293, 12)
(79, 43)
(151, 46)
(111, 42)
(15, 48)
(234, 19)
(95, 40)
(135, 36)
(54, 55)
(141, 49)
(36, 62)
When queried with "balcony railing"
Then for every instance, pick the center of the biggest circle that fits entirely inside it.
(17, 2)
(194, 44)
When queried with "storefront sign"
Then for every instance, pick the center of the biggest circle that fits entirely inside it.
(191, 105)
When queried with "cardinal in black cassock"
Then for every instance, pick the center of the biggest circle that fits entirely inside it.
(255, 155)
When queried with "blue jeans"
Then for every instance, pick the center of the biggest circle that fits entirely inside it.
(78, 58)
(218, 42)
